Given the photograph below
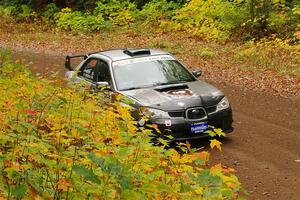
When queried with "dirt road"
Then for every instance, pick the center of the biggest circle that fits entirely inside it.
(264, 146)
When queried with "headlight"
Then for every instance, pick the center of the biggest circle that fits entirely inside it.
(154, 113)
(223, 104)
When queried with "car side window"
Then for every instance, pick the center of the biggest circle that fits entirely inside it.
(102, 72)
(88, 70)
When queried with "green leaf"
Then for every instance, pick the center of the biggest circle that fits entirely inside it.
(96, 160)
(184, 187)
(165, 188)
(219, 132)
(19, 106)
(19, 191)
(215, 192)
(11, 173)
(64, 100)
(227, 193)
(203, 178)
(86, 173)
(163, 142)
(215, 180)
(211, 133)
(126, 183)
(207, 194)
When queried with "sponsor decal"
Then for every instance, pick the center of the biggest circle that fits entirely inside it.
(180, 93)
(196, 128)
(144, 59)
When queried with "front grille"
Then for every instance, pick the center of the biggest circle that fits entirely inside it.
(195, 113)
(176, 114)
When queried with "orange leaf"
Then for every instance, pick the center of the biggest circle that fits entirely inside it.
(204, 155)
(34, 194)
(217, 169)
(63, 184)
(30, 112)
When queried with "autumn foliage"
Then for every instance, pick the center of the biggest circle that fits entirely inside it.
(217, 20)
(66, 143)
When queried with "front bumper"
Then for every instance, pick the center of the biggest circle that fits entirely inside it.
(180, 128)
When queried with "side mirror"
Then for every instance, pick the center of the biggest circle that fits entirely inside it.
(197, 73)
(68, 63)
(103, 85)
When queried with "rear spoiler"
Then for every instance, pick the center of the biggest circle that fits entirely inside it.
(69, 57)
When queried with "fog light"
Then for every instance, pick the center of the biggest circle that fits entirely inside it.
(141, 122)
(168, 123)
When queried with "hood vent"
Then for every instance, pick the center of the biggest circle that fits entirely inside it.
(172, 87)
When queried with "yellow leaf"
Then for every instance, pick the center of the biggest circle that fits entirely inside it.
(199, 190)
(215, 143)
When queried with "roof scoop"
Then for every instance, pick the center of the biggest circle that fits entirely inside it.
(137, 52)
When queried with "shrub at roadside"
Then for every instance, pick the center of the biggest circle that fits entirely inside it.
(76, 21)
(211, 19)
(22, 13)
(105, 15)
(275, 54)
(158, 10)
(216, 20)
(62, 143)
(120, 13)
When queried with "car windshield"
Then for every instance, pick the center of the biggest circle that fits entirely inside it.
(135, 74)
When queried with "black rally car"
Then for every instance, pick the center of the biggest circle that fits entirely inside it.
(159, 87)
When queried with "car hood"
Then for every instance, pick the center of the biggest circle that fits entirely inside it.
(176, 96)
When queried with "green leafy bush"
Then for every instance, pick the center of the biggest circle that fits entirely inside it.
(283, 19)
(25, 13)
(275, 17)
(105, 14)
(76, 21)
(158, 10)
(20, 13)
(211, 19)
(7, 11)
(50, 12)
(274, 54)
(120, 13)
(217, 20)
(62, 143)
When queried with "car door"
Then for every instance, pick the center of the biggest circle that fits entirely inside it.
(87, 72)
(95, 72)
(102, 72)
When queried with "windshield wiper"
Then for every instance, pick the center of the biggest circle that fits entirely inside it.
(157, 84)
(172, 82)
(131, 88)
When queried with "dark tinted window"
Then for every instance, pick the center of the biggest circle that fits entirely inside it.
(96, 71)
(103, 73)
(88, 70)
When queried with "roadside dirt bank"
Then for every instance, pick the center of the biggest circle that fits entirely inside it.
(264, 145)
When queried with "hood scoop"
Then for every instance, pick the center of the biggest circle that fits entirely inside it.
(172, 87)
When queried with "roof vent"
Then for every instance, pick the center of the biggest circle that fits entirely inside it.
(137, 52)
